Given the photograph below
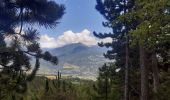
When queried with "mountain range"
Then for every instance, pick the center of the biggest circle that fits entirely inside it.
(76, 60)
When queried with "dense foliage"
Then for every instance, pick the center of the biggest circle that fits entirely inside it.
(147, 33)
(19, 40)
(62, 89)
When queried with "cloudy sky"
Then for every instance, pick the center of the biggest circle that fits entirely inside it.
(69, 37)
(76, 26)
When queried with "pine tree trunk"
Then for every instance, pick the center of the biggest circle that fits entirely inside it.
(155, 73)
(126, 91)
(144, 74)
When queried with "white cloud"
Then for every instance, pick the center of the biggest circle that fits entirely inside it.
(106, 40)
(69, 37)
(47, 42)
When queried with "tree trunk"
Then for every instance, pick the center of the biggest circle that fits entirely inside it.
(144, 74)
(155, 73)
(126, 91)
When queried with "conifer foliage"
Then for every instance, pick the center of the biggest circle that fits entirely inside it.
(141, 34)
(19, 40)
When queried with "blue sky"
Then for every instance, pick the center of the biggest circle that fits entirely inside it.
(80, 17)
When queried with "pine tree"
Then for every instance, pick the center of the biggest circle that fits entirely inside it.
(15, 58)
(148, 24)
(103, 86)
(153, 18)
(114, 11)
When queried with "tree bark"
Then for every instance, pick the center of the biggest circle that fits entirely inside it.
(144, 73)
(126, 88)
(126, 91)
(155, 73)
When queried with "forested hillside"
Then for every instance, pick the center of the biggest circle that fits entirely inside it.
(46, 89)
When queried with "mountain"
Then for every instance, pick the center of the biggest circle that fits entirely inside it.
(76, 60)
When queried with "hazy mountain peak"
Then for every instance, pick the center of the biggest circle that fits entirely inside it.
(88, 59)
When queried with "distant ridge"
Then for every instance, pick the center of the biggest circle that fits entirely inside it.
(88, 59)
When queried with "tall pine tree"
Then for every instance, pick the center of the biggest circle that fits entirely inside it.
(114, 11)
(23, 44)
(150, 34)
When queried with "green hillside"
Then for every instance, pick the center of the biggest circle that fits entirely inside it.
(42, 88)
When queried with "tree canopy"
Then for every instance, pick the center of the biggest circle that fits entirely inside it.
(19, 40)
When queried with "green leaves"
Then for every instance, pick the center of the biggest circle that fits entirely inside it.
(152, 19)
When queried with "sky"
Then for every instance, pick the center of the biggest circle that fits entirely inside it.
(76, 26)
